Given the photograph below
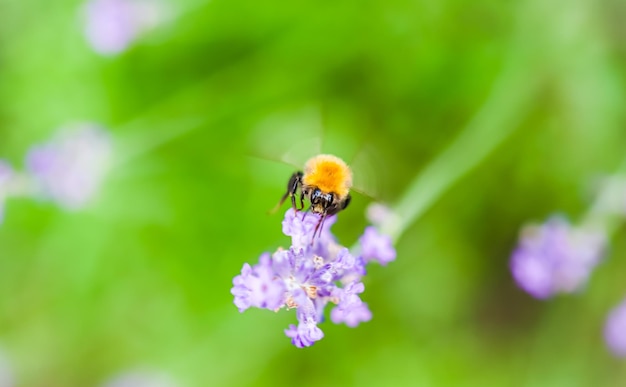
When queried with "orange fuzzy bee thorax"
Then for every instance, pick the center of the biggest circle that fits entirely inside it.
(328, 173)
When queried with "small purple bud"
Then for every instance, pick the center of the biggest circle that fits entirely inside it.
(299, 226)
(377, 247)
(111, 26)
(350, 309)
(352, 315)
(615, 330)
(304, 335)
(379, 213)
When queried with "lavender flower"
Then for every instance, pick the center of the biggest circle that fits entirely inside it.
(70, 168)
(377, 247)
(615, 330)
(310, 274)
(555, 258)
(350, 309)
(6, 174)
(258, 287)
(113, 25)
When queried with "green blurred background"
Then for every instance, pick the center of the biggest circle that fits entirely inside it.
(509, 111)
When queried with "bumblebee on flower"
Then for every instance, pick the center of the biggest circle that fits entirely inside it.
(315, 270)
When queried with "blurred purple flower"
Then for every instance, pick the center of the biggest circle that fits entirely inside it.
(615, 330)
(377, 247)
(555, 258)
(113, 25)
(307, 276)
(70, 168)
(6, 174)
(379, 214)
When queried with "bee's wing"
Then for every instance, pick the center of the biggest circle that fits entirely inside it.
(295, 137)
(368, 173)
(290, 138)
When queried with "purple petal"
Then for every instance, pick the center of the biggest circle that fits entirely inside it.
(300, 226)
(304, 335)
(352, 315)
(257, 286)
(350, 309)
(377, 247)
(615, 330)
(555, 258)
(113, 25)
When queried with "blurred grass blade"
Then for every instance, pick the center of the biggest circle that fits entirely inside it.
(505, 108)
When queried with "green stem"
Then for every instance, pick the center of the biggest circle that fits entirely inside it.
(501, 114)
(606, 212)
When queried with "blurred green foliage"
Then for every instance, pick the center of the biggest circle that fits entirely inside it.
(532, 93)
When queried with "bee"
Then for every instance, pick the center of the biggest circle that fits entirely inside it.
(325, 182)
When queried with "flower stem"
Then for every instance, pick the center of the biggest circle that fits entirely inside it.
(501, 114)
(607, 211)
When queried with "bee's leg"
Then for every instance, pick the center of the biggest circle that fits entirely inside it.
(295, 181)
(301, 200)
(292, 187)
(319, 226)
